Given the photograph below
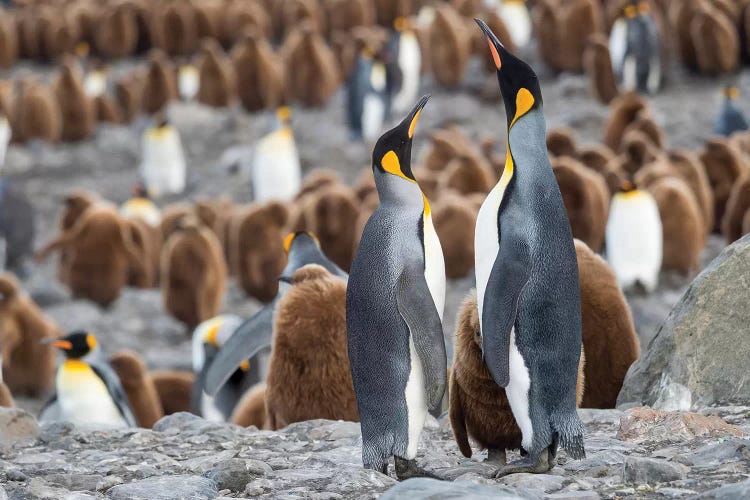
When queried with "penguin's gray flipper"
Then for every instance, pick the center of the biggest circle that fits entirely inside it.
(249, 338)
(416, 306)
(539, 465)
(509, 275)
(50, 412)
(114, 387)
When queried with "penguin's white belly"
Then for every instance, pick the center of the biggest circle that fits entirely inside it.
(410, 63)
(84, 399)
(4, 139)
(163, 166)
(209, 410)
(516, 17)
(434, 271)
(95, 84)
(416, 401)
(634, 239)
(188, 82)
(629, 76)
(654, 75)
(373, 116)
(618, 45)
(486, 242)
(276, 170)
(519, 383)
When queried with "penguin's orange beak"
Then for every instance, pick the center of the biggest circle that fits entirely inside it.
(496, 47)
(59, 343)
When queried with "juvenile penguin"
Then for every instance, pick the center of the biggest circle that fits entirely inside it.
(260, 74)
(139, 387)
(307, 59)
(597, 64)
(216, 76)
(527, 280)
(88, 390)
(635, 50)
(251, 409)
(175, 389)
(450, 46)
(394, 306)
(275, 169)
(408, 56)
(634, 237)
(731, 117)
(159, 86)
(163, 164)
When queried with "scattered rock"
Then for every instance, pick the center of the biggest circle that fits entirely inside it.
(166, 488)
(703, 344)
(646, 424)
(235, 474)
(16, 425)
(728, 492)
(424, 489)
(16, 475)
(638, 470)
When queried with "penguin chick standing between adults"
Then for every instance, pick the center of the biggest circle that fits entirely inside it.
(394, 307)
(408, 56)
(634, 237)
(163, 164)
(88, 390)
(635, 50)
(368, 99)
(731, 117)
(527, 280)
(275, 170)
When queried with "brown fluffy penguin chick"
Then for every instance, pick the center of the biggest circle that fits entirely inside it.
(139, 387)
(256, 248)
(307, 59)
(717, 44)
(193, 273)
(544, 15)
(308, 373)
(466, 173)
(565, 27)
(689, 167)
(251, 408)
(75, 204)
(609, 337)
(144, 272)
(723, 165)
(8, 40)
(106, 109)
(57, 34)
(260, 75)
(316, 180)
(738, 205)
(100, 252)
(600, 159)
(343, 15)
(430, 180)
(638, 151)
(6, 398)
(454, 221)
(209, 18)
(331, 216)
(28, 365)
(387, 11)
(78, 113)
(244, 16)
(445, 145)
(597, 63)
(174, 29)
(217, 78)
(365, 184)
(160, 84)
(295, 12)
(116, 32)
(561, 141)
(450, 46)
(586, 198)
(680, 15)
(37, 114)
(175, 389)
(129, 95)
(479, 407)
(645, 124)
(622, 111)
(682, 225)
(171, 215)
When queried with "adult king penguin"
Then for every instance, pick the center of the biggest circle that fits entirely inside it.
(253, 336)
(163, 167)
(527, 279)
(88, 390)
(404, 46)
(731, 117)
(275, 169)
(635, 50)
(394, 308)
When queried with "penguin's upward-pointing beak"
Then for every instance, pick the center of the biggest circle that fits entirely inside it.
(497, 49)
(410, 122)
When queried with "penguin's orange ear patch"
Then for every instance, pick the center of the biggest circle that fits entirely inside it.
(392, 165)
(91, 341)
(495, 54)
(524, 102)
(288, 241)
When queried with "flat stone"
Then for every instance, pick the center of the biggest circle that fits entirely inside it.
(235, 474)
(16, 426)
(424, 489)
(646, 424)
(166, 488)
(574, 495)
(545, 483)
(715, 454)
(728, 492)
(638, 470)
(16, 475)
(675, 492)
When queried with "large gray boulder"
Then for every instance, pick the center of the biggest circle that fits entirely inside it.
(700, 355)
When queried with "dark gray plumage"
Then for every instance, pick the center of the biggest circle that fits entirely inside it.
(731, 118)
(16, 228)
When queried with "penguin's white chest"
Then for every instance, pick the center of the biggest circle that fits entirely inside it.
(95, 84)
(373, 107)
(163, 168)
(434, 271)
(516, 17)
(487, 242)
(275, 170)
(4, 139)
(188, 82)
(634, 239)
(83, 397)
(618, 45)
(410, 63)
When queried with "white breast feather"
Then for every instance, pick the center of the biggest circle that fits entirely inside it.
(275, 168)
(163, 167)
(84, 399)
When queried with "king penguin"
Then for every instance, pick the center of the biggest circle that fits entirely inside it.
(188, 82)
(141, 206)
(367, 95)
(635, 50)
(88, 390)
(253, 336)
(394, 307)
(528, 295)
(163, 165)
(731, 117)
(404, 46)
(634, 237)
(515, 15)
(275, 168)
(208, 339)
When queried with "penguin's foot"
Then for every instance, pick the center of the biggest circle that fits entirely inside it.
(543, 463)
(407, 469)
(496, 457)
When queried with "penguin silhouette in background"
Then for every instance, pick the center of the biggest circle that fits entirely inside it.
(635, 50)
(394, 307)
(528, 295)
(515, 15)
(163, 165)
(634, 237)
(254, 335)
(275, 169)
(731, 117)
(88, 390)
(188, 82)
(96, 82)
(208, 339)
(405, 51)
(367, 94)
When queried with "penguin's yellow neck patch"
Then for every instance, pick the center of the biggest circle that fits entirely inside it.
(211, 333)
(392, 164)
(427, 209)
(631, 195)
(524, 103)
(91, 341)
(75, 365)
(288, 241)
(245, 365)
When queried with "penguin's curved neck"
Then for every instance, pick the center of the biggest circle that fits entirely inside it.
(527, 139)
(396, 191)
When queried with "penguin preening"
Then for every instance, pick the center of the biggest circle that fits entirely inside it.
(634, 237)
(731, 117)
(408, 56)
(368, 96)
(88, 390)
(163, 165)
(635, 50)
(394, 306)
(275, 170)
(254, 335)
(527, 280)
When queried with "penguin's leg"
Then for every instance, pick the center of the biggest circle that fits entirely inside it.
(496, 456)
(543, 462)
(407, 469)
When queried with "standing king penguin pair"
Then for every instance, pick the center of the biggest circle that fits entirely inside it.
(527, 283)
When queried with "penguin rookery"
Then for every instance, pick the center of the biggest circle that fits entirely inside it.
(528, 295)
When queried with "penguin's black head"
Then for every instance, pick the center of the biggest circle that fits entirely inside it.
(392, 153)
(76, 344)
(299, 237)
(519, 84)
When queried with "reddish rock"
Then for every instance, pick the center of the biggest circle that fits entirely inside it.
(646, 424)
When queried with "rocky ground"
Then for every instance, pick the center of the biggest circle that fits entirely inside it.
(639, 453)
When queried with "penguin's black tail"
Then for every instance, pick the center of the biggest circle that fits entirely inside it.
(570, 431)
